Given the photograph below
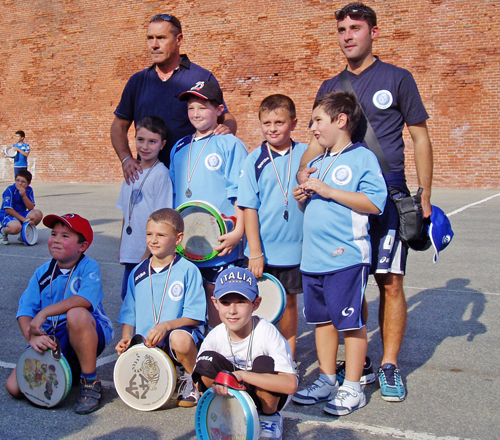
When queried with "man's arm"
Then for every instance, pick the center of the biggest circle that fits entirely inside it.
(227, 124)
(314, 150)
(423, 162)
(119, 139)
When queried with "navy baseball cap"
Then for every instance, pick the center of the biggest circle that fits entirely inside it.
(204, 90)
(236, 280)
(440, 232)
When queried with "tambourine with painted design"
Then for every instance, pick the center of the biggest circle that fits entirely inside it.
(203, 225)
(44, 378)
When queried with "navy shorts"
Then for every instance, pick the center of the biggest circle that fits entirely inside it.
(336, 297)
(389, 253)
(210, 274)
(164, 344)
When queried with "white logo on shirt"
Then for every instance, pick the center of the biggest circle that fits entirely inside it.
(176, 291)
(342, 175)
(213, 162)
(382, 99)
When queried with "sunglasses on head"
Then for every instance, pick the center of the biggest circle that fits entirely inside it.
(355, 14)
(167, 17)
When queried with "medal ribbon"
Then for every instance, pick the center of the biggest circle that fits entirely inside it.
(249, 349)
(54, 323)
(190, 175)
(285, 193)
(331, 163)
(155, 316)
(131, 203)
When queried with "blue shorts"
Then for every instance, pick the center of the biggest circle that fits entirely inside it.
(210, 274)
(8, 218)
(164, 344)
(389, 253)
(336, 297)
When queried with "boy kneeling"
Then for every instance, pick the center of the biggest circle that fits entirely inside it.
(250, 347)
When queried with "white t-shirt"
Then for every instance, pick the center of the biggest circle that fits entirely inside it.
(267, 340)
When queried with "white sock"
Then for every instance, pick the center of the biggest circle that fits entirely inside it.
(330, 379)
(356, 386)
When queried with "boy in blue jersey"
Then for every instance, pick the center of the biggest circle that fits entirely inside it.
(18, 207)
(206, 167)
(165, 302)
(63, 298)
(150, 192)
(273, 221)
(22, 150)
(336, 250)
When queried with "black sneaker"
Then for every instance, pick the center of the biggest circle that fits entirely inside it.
(367, 377)
(90, 393)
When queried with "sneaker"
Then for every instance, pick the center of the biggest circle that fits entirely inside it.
(391, 383)
(90, 393)
(367, 377)
(346, 401)
(3, 238)
(319, 391)
(188, 393)
(271, 426)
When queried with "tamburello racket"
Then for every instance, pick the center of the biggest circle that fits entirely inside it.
(227, 417)
(45, 379)
(29, 234)
(144, 377)
(273, 298)
(203, 225)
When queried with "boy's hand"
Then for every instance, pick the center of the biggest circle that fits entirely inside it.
(131, 170)
(228, 242)
(220, 390)
(317, 186)
(35, 326)
(304, 174)
(122, 345)
(156, 334)
(256, 266)
(42, 343)
(222, 129)
(300, 194)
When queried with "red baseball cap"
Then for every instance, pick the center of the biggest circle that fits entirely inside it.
(74, 221)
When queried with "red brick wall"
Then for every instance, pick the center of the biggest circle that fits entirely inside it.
(63, 66)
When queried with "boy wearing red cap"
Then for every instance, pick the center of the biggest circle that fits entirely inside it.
(63, 298)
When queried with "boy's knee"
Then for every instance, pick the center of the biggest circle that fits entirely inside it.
(79, 318)
(12, 386)
(15, 227)
(181, 342)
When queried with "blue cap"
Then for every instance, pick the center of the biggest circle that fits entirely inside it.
(440, 231)
(236, 280)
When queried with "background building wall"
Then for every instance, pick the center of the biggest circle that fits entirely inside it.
(63, 66)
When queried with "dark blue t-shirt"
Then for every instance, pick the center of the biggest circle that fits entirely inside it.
(390, 98)
(146, 94)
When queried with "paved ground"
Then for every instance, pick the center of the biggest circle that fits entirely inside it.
(450, 356)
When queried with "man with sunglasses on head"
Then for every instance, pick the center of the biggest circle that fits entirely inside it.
(390, 99)
(155, 91)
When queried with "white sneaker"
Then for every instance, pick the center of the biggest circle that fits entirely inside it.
(271, 426)
(188, 393)
(346, 401)
(3, 238)
(319, 391)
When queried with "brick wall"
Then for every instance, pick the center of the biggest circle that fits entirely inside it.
(63, 66)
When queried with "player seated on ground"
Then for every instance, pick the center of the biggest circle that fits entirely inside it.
(18, 207)
(165, 301)
(250, 347)
(55, 303)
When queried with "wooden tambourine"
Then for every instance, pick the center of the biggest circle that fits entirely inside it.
(203, 225)
(10, 152)
(45, 379)
(227, 417)
(29, 234)
(273, 298)
(144, 377)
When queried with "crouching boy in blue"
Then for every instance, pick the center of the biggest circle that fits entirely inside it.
(165, 301)
(64, 298)
(250, 347)
(336, 249)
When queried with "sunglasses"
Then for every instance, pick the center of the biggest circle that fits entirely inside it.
(355, 14)
(167, 17)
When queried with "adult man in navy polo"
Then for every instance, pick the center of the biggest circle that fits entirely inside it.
(155, 91)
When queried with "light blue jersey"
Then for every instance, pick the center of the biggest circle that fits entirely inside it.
(281, 238)
(184, 297)
(214, 179)
(335, 236)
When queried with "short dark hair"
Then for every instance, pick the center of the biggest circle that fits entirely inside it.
(368, 14)
(21, 133)
(278, 102)
(154, 124)
(174, 21)
(337, 102)
(26, 174)
(168, 216)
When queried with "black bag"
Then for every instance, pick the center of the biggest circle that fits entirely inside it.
(411, 217)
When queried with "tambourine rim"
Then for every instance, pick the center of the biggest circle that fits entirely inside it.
(171, 388)
(9, 155)
(283, 295)
(220, 221)
(63, 363)
(247, 405)
(23, 233)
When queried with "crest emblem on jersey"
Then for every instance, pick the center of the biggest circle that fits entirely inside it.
(382, 99)
(342, 175)
(75, 285)
(213, 162)
(338, 251)
(176, 291)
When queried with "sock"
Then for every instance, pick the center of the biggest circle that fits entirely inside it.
(91, 377)
(330, 379)
(356, 386)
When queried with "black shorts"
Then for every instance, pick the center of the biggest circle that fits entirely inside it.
(290, 277)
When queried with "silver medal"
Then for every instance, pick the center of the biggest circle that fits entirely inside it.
(188, 193)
